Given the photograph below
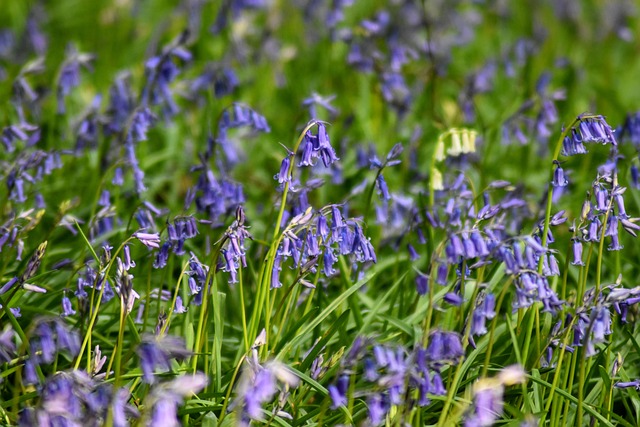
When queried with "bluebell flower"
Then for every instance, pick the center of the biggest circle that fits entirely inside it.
(229, 265)
(635, 176)
(98, 361)
(338, 392)
(9, 285)
(362, 246)
(577, 252)
(488, 404)
(628, 384)
(329, 260)
(10, 135)
(124, 286)
(444, 347)
(484, 310)
(51, 336)
(165, 398)
(422, 283)
(69, 76)
(156, 352)
(180, 308)
(314, 146)
(141, 121)
(396, 92)
(223, 80)
(589, 128)
(275, 272)
(283, 176)
(453, 298)
(258, 385)
(150, 240)
(315, 101)
(67, 308)
(377, 409)
(559, 179)
(72, 398)
(121, 103)
(616, 193)
(322, 228)
(87, 131)
(7, 344)
(128, 262)
(442, 272)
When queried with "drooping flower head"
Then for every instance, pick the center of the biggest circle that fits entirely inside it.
(587, 128)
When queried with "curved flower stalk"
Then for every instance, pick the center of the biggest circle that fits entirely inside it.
(313, 147)
(586, 128)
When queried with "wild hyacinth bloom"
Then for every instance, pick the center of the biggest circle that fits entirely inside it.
(284, 175)
(224, 81)
(150, 240)
(161, 71)
(589, 128)
(165, 398)
(258, 385)
(307, 241)
(338, 392)
(73, 398)
(444, 347)
(559, 179)
(389, 375)
(69, 76)
(51, 336)
(315, 101)
(10, 135)
(216, 197)
(7, 344)
(156, 352)
(484, 310)
(124, 286)
(317, 146)
(121, 104)
(67, 308)
(422, 283)
(488, 397)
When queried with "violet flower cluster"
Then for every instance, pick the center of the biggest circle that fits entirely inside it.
(387, 375)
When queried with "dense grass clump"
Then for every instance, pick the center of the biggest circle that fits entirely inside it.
(296, 212)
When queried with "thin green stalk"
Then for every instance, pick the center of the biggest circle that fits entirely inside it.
(243, 311)
(547, 214)
(265, 277)
(494, 324)
(175, 297)
(285, 189)
(210, 278)
(583, 355)
(227, 397)
(117, 357)
(94, 315)
(528, 333)
(453, 385)
(558, 370)
(569, 388)
(428, 318)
